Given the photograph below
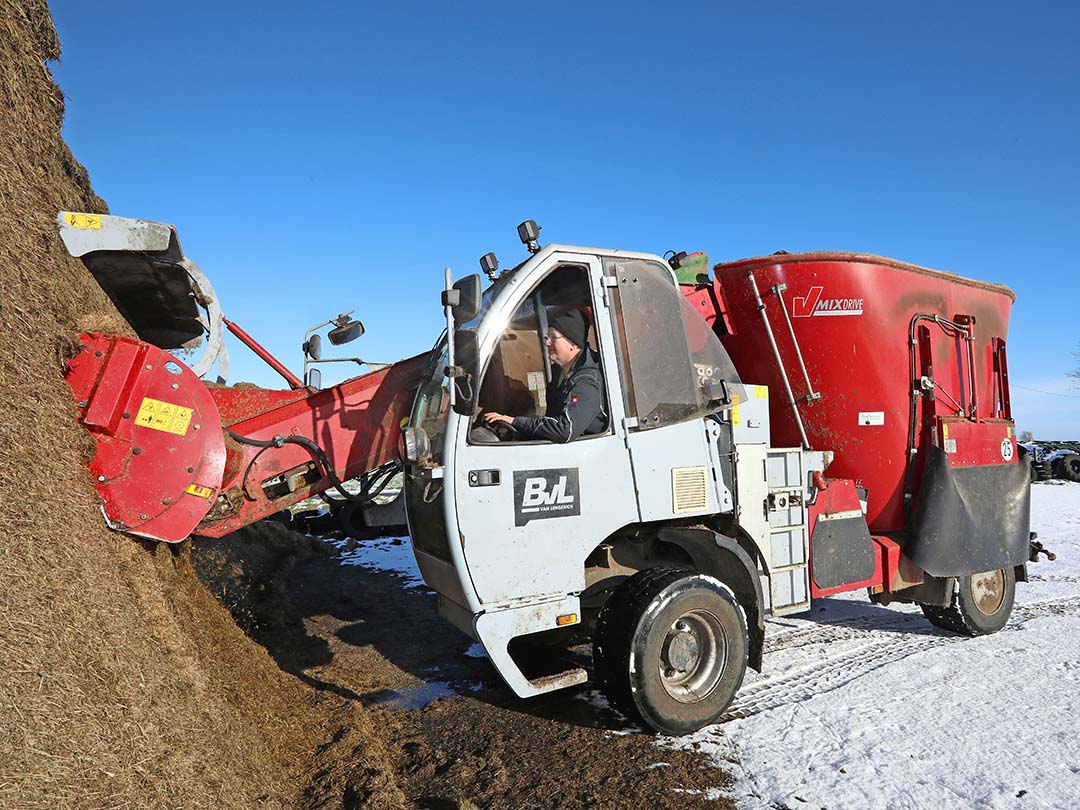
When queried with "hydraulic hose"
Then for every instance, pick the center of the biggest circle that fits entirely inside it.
(373, 482)
(365, 497)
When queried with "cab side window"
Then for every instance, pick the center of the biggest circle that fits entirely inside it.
(520, 374)
(675, 367)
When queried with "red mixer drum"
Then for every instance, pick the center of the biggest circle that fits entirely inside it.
(896, 352)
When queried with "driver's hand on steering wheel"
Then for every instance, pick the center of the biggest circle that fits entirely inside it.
(493, 418)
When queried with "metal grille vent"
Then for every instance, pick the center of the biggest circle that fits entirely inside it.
(688, 492)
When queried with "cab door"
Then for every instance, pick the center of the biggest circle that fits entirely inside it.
(530, 512)
(677, 373)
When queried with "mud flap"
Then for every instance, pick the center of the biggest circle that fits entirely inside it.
(842, 550)
(970, 519)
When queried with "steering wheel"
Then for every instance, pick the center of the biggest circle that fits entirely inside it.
(497, 431)
(503, 431)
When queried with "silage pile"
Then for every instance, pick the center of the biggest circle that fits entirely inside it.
(123, 683)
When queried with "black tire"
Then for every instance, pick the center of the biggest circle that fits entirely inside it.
(1070, 467)
(670, 649)
(981, 604)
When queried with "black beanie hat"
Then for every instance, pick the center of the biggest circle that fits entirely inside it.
(571, 325)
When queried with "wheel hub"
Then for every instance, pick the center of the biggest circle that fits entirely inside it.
(681, 648)
(693, 656)
(988, 591)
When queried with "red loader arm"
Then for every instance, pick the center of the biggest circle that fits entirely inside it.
(166, 465)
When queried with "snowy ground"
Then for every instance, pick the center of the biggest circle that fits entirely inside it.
(861, 706)
(868, 707)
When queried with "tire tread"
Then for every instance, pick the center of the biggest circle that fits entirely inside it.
(615, 629)
(948, 618)
(955, 619)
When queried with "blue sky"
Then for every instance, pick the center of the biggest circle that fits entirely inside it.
(320, 157)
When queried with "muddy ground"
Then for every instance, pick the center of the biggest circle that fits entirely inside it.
(456, 734)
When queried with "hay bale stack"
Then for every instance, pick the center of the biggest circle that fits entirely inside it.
(123, 683)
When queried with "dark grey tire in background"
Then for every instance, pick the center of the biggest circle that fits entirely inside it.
(1070, 467)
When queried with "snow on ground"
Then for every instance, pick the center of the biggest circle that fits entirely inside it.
(860, 706)
(385, 554)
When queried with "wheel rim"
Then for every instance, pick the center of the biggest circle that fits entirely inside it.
(693, 656)
(988, 591)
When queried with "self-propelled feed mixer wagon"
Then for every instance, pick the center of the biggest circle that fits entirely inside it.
(782, 429)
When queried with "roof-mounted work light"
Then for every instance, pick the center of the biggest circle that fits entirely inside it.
(529, 234)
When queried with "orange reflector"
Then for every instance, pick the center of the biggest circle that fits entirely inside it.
(569, 618)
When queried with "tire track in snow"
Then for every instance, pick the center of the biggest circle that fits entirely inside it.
(1053, 578)
(854, 627)
(884, 641)
(1067, 606)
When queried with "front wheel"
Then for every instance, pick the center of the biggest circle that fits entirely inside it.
(981, 604)
(670, 649)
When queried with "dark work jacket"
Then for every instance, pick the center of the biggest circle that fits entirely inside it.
(576, 406)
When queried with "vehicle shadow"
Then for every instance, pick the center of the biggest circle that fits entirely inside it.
(373, 613)
(354, 621)
(854, 614)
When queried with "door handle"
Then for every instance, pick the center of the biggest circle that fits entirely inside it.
(484, 478)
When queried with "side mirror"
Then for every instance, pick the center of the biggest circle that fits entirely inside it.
(346, 333)
(464, 372)
(313, 347)
(314, 378)
(464, 298)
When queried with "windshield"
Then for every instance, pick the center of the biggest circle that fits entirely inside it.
(433, 400)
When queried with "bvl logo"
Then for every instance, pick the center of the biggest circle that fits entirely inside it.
(814, 304)
(536, 494)
(542, 494)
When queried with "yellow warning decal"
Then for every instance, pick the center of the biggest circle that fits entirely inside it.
(86, 221)
(164, 416)
(198, 491)
(761, 392)
(944, 431)
(735, 415)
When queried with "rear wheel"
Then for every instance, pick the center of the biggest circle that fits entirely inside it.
(981, 604)
(670, 649)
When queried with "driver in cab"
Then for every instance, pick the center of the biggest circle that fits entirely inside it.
(576, 406)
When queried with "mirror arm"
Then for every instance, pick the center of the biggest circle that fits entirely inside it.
(359, 361)
(307, 339)
(449, 288)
